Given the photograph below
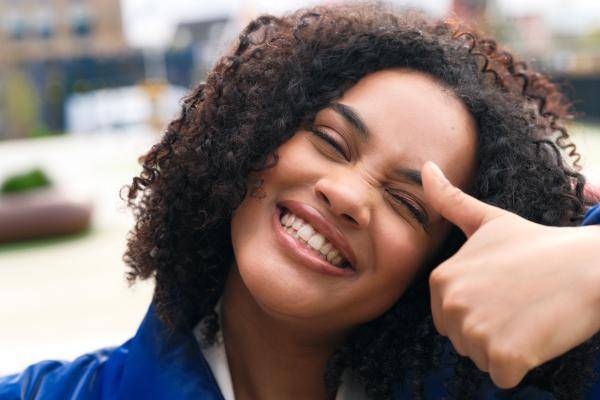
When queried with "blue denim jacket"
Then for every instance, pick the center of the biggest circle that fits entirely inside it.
(157, 364)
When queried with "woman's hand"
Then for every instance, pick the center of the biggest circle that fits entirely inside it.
(517, 293)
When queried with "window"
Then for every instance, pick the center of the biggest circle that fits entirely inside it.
(80, 19)
(14, 25)
(44, 23)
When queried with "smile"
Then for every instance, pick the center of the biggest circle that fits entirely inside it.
(307, 234)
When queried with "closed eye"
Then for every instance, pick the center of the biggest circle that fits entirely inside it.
(418, 214)
(329, 140)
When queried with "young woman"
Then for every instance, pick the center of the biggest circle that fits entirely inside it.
(284, 219)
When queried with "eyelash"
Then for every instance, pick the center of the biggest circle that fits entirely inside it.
(419, 215)
(330, 141)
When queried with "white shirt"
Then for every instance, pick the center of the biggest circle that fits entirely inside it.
(216, 357)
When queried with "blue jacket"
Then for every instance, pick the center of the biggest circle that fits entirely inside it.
(156, 364)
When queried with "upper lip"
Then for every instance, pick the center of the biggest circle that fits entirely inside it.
(323, 226)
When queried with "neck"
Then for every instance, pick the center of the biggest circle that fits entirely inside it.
(271, 358)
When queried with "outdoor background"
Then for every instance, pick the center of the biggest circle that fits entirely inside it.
(87, 86)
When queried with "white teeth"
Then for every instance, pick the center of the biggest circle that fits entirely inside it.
(290, 220)
(326, 248)
(292, 232)
(299, 229)
(316, 241)
(331, 255)
(297, 223)
(306, 232)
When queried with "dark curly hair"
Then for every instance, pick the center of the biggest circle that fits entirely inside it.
(280, 73)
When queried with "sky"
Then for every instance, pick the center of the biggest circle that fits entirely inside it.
(151, 23)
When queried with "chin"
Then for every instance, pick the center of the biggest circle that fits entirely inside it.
(280, 284)
(283, 291)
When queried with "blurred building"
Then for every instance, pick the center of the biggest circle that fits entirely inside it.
(527, 35)
(141, 108)
(204, 39)
(54, 49)
(33, 30)
(569, 54)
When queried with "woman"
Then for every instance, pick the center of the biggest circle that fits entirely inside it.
(283, 215)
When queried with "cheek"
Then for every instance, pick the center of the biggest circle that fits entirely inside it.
(298, 165)
(259, 201)
(398, 254)
(274, 281)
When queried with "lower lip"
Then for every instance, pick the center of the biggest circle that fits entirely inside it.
(302, 253)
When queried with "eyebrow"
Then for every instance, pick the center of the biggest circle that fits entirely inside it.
(411, 175)
(352, 117)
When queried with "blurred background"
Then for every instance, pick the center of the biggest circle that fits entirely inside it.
(87, 86)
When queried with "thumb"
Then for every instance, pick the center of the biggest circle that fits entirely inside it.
(464, 211)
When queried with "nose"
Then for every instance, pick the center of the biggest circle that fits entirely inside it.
(345, 198)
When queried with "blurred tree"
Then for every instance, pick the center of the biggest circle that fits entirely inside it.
(20, 107)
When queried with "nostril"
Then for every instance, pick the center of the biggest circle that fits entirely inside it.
(324, 198)
(349, 219)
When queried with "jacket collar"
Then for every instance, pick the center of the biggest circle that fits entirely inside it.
(592, 217)
(162, 364)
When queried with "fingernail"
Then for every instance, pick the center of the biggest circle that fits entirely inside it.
(438, 172)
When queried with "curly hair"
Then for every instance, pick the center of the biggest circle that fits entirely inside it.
(279, 74)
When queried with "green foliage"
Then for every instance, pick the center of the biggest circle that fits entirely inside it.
(33, 179)
(42, 131)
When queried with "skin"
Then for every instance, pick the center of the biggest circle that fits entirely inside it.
(283, 320)
(510, 307)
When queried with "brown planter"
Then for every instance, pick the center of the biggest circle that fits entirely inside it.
(42, 213)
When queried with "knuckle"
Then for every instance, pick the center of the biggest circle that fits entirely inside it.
(437, 277)
(482, 365)
(475, 330)
(455, 300)
(504, 380)
(457, 346)
(503, 354)
(439, 326)
(479, 358)
(507, 364)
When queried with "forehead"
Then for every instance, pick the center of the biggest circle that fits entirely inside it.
(412, 119)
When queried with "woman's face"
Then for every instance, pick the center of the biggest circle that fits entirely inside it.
(355, 181)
